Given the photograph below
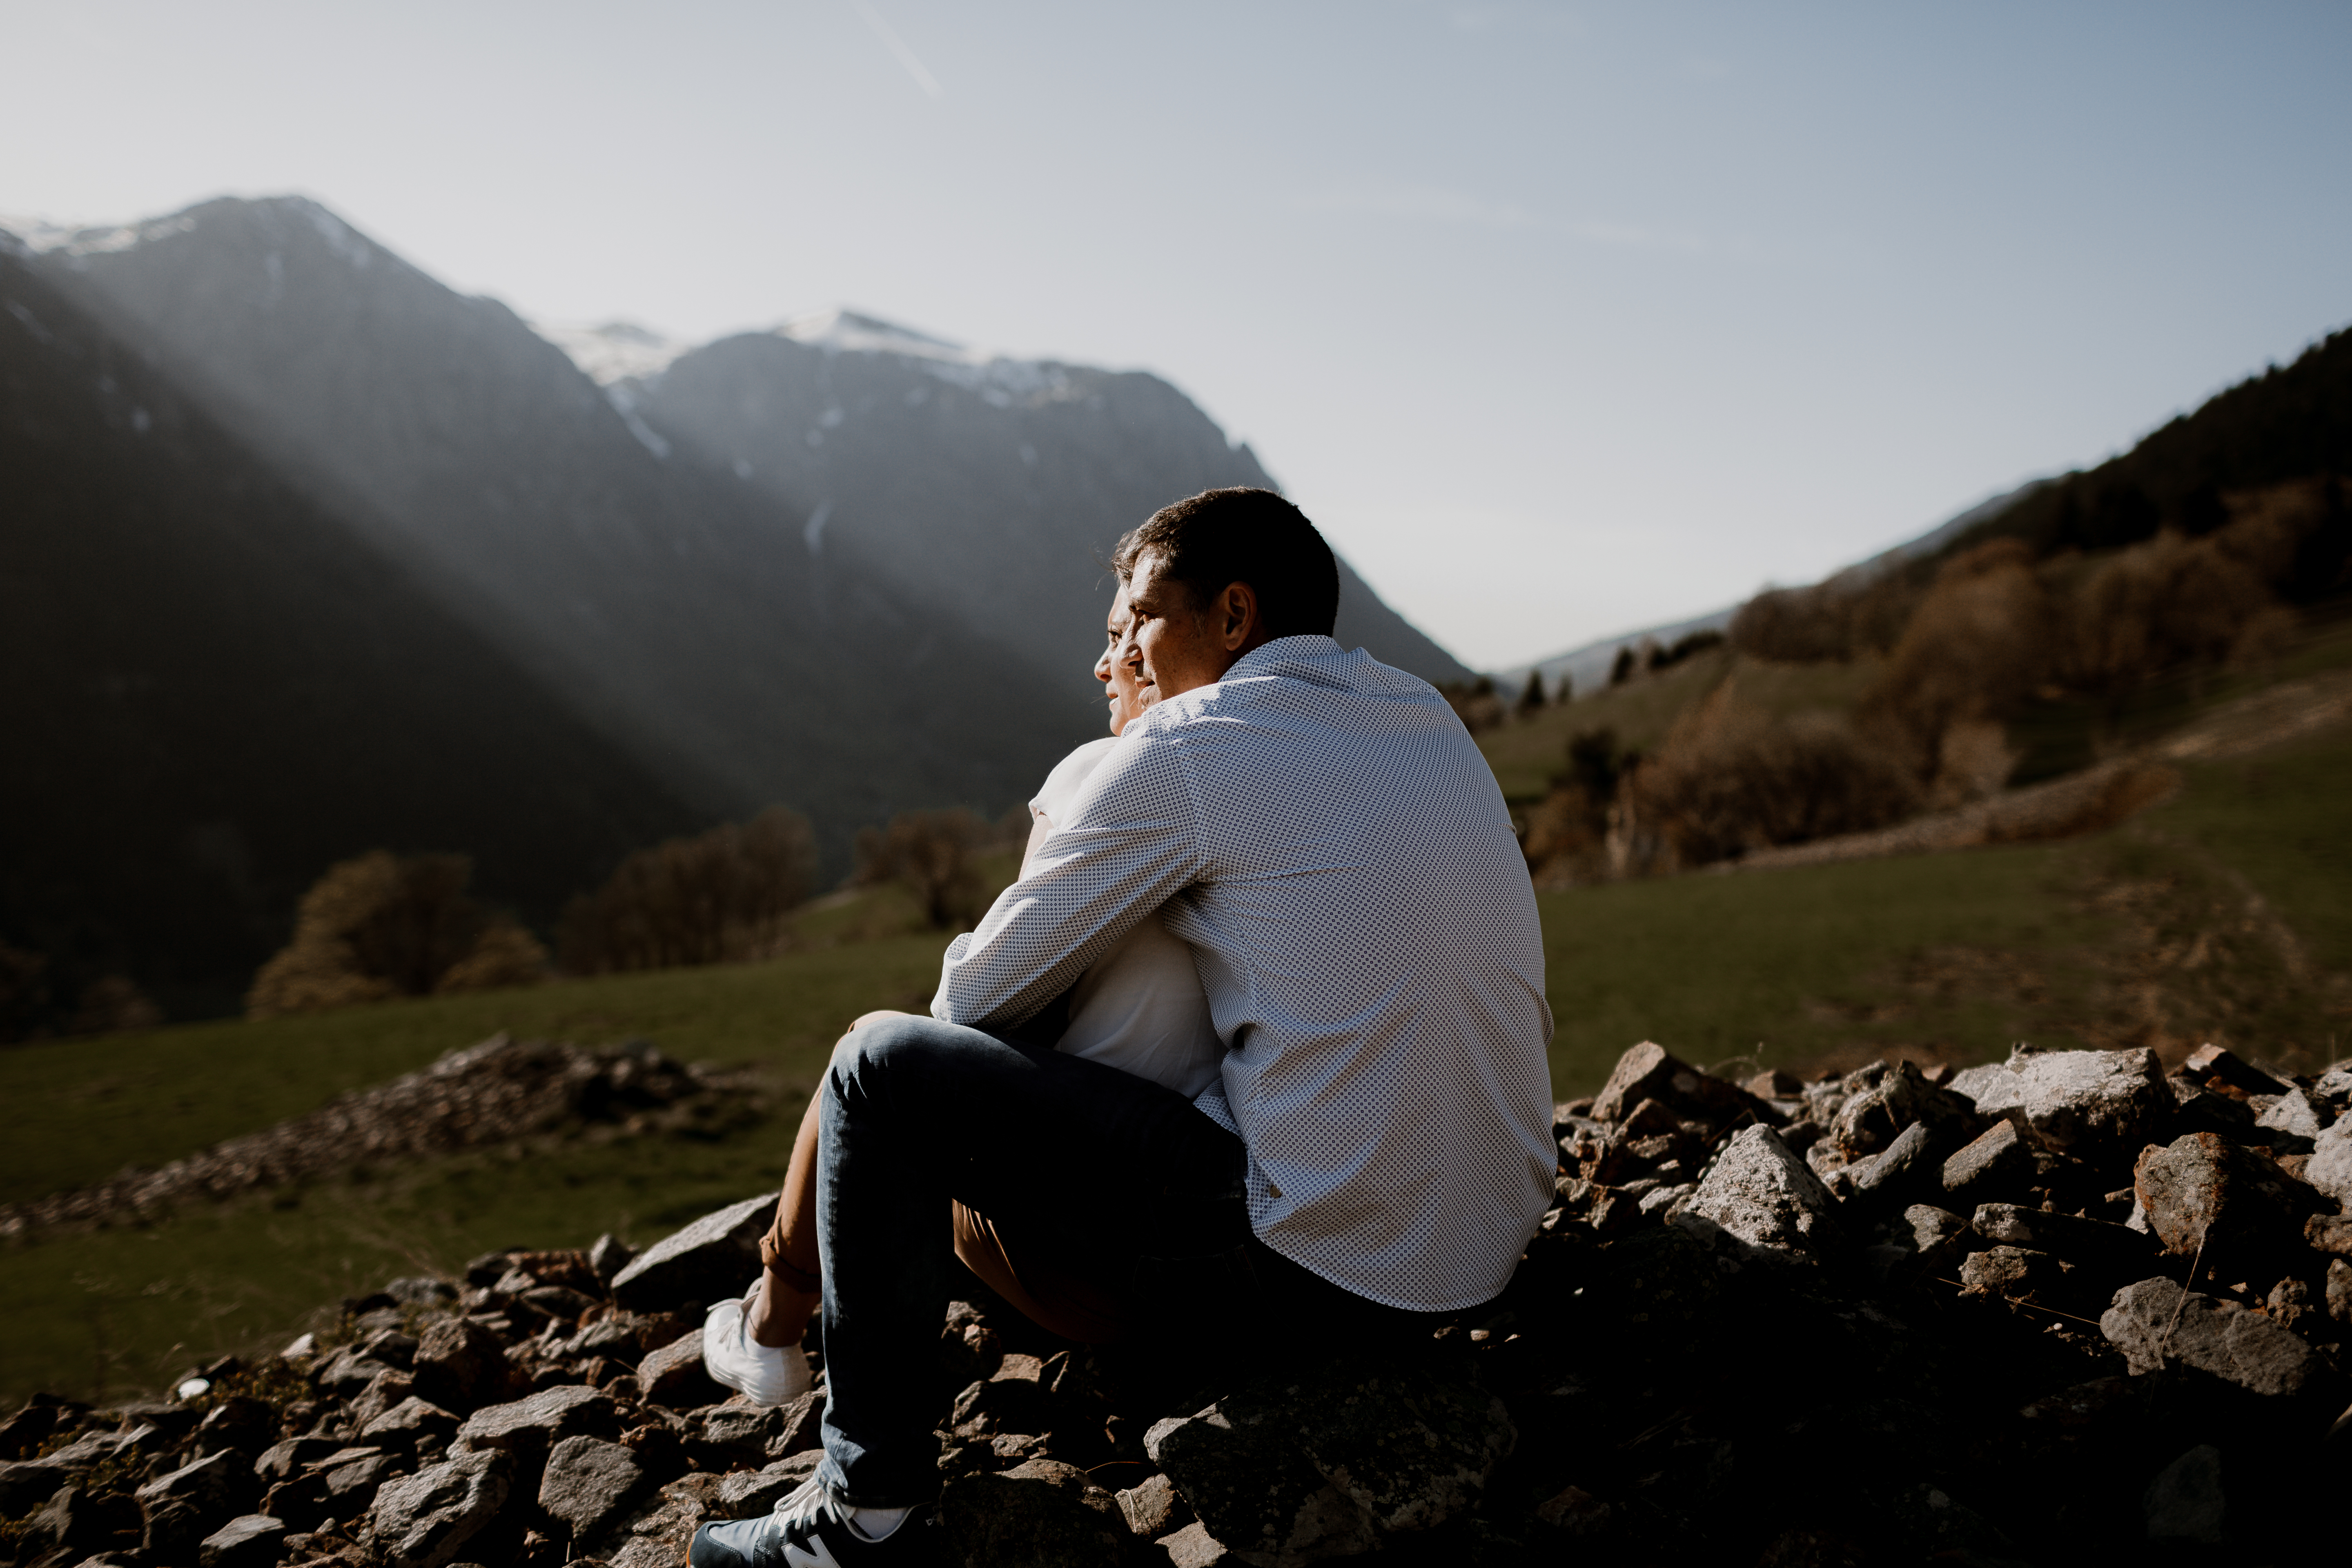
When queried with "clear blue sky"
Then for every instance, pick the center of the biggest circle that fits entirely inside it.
(1561, 319)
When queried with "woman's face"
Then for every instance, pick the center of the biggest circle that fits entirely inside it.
(1120, 669)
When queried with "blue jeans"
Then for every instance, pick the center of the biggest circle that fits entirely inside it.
(917, 1112)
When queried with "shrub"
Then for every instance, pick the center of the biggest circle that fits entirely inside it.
(930, 852)
(1981, 639)
(718, 897)
(1728, 779)
(383, 925)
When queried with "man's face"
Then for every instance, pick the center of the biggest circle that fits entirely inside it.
(1183, 644)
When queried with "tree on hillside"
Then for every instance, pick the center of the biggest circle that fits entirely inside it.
(382, 925)
(1531, 696)
(930, 852)
(718, 897)
(1621, 669)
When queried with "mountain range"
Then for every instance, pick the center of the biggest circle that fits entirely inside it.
(311, 555)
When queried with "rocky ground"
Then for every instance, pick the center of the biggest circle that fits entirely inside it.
(2066, 1308)
(495, 1092)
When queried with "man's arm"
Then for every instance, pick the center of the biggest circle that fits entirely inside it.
(1132, 841)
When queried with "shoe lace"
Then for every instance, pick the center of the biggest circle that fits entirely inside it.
(806, 1507)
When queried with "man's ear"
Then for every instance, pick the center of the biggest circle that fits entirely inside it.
(1237, 619)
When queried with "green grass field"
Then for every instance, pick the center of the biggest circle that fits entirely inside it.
(2225, 914)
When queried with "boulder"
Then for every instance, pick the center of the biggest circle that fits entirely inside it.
(459, 1365)
(747, 1494)
(673, 1376)
(590, 1484)
(1332, 1462)
(1154, 1508)
(283, 1461)
(425, 1520)
(709, 1261)
(1762, 1200)
(2087, 1103)
(2096, 1244)
(1649, 1071)
(1040, 1514)
(1194, 1547)
(2201, 1192)
(1890, 1101)
(2209, 1063)
(248, 1540)
(2149, 1322)
(79, 1520)
(530, 1428)
(2329, 1168)
(609, 1255)
(1996, 1161)
(404, 1424)
(219, 1486)
(2329, 1232)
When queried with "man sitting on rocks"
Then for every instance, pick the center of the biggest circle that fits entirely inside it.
(1321, 832)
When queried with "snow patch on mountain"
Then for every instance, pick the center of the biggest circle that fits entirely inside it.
(614, 352)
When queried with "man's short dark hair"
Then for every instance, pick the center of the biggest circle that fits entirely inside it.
(1217, 538)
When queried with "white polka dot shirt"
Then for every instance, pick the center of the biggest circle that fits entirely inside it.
(1321, 831)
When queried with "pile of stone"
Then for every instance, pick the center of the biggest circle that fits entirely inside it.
(494, 1092)
(2052, 1309)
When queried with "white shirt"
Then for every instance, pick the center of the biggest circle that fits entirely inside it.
(1140, 1008)
(1319, 830)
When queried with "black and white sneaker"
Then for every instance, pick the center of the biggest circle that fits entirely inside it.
(810, 1528)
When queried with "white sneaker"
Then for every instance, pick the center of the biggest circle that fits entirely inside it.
(766, 1374)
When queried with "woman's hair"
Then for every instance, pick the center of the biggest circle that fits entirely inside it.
(1217, 538)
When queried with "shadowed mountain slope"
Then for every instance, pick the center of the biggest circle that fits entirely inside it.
(675, 605)
(215, 689)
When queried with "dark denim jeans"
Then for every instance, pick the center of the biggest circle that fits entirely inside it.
(917, 1112)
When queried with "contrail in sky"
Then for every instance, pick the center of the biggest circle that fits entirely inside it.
(897, 47)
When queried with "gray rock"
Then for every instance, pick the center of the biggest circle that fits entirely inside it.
(2202, 1191)
(1194, 1547)
(1649, 1071)
(218, 1486)
(1331, 1462)
(1894, 1100)
(530, 1428)
(590, 1484)
(459, 1365)
(1154, 1508)
(248, 1540)
(2214, 1336)
(2339, 1292)
(2292, 1114)
(741, 1426)
(707, 1261)
(2077, 1102)
(1763, 1200)
(1040, 1514)
(609, 1255)
(2185, 1502)
(412, 1418)
(2017, 1272)
(2329, 1168)
(24, 1483)
(673, 1376)
(1904, 1168)
(2093, 1243)
(423, 1520)
(79, 1519)
(422, 1291)
(749, 1493)
(800, 1428)
(1998, 1161)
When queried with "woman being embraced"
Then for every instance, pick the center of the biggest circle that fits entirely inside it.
(1140, 1008)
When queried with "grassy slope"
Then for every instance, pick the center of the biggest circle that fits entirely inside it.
(2141, 934)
